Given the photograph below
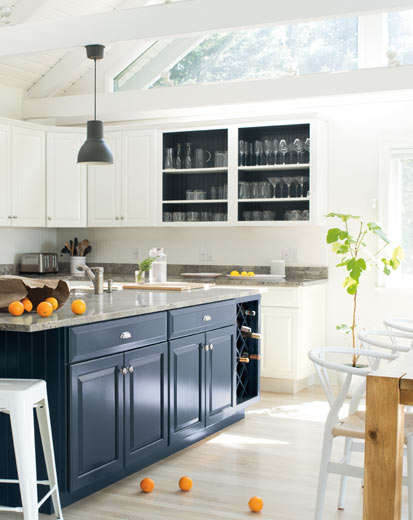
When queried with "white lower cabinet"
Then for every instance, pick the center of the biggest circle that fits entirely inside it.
(293, 322)
(66, 181)
(28, 180)
(123, 194)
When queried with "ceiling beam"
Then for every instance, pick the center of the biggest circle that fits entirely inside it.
(24, 9)
(165, 60)
(192, 100)
(177, 19)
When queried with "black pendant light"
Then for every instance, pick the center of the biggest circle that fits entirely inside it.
(95, 150)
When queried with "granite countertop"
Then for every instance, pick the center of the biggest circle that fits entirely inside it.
(120, 304)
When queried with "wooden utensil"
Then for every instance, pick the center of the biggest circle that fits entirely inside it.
(82, 247)
(69, 248)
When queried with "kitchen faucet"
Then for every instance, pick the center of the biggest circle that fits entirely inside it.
(95, 275)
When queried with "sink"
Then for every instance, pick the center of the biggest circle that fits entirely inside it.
(81, 287)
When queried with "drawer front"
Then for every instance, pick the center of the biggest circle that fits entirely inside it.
(281, 297)
(110, 337)
(191, 320)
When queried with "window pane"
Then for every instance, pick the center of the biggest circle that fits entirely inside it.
(400, 27)
(304, 48)
(406, 173)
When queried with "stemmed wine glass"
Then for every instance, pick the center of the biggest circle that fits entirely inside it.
(241, 152)
(246, 152)
(274, 183)
(283, 148)
(307, 147)
(288, 181)
(257, 152)
(267, 150)
(275, 149)
(298, 147)
(301, 181)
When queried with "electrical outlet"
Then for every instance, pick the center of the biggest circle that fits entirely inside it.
(285, 254)
(137, 253)
(205, 255)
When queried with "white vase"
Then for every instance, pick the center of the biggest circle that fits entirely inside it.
(74, 262)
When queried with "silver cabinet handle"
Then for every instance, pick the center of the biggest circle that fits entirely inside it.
(116, 218)
(123, 371)
(207, 317)
(205, 347)
(49, 218)
(211, 346)
(125, 335)
(130, 368)
(10, 217)
(122, 218)
(14, 216)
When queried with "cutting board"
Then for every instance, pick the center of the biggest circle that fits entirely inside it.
(168, 286)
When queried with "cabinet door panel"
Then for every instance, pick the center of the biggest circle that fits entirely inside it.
(66, 181)
(96, 420)
(279, 340)
(146, 402)
(28, 178)
(5, 176)
(187, 386)
(220, 374)
(138, 175)
(104, 188)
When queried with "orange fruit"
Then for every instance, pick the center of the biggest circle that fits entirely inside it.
(78, 307)
(44, 309)
(185, 483)
(53, 302)
(16, 308)
(27, 304)
(147, 485)
(256, 504)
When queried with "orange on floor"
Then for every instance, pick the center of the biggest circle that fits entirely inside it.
(147, 485)
(256, 504)
(185, 483)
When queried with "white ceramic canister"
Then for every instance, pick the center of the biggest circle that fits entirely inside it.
(74, 262)
(278, 267)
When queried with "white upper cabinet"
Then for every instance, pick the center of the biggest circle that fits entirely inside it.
(66, 181)
(104, 188)
(138, 194)
(122, 194)
(5, 177)
(28, 185)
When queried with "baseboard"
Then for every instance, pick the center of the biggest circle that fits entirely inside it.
(286, 386)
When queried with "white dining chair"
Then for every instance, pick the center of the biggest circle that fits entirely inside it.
(388, 340)
(401, 324)
(352, 427)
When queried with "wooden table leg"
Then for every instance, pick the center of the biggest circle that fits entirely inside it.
(383, 460)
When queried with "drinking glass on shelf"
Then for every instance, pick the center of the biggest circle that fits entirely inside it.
(169, 159)
(199, 195)
(267, 150)
(264, 190)
(298, 147)
(178, 216)
(167, 216)
(307, 148)
(190, 194)
(257, 152)
(275, 149)
(291, 151)
(296, 186)
(178, 159)
(188, 159)
(247, 215)
(295, 214)
(205, 216)
(214, 192)
(305, 214)
(241, 152)
(224, 158)
(192, 216)
(267, 215)
(257, 215)
(246, 153)
(288, 214)
(243, 190)
(254, 190)
(283, 149)
(288, 181)
(301, 181)
(274, 181)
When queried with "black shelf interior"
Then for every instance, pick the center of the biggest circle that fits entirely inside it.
(247, 373)
(277, 206)
(175, 185)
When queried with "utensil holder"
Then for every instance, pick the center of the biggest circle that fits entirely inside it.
(74, 262)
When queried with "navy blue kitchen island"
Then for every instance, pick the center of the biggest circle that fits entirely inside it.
(137, 378)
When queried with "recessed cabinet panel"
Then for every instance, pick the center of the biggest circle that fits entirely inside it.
(66, 181)
(104, 188)
(138, 194)
(5, 177)
(187, 386)
(28, 178)
(220, 374)
(279, 329)
(96, 420)
(146, 402)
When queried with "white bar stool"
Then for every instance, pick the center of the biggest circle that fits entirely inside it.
(18, 397)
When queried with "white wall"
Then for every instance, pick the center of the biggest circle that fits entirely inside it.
(15, 241)
(10, 102)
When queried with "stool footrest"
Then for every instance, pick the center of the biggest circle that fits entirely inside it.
(15, 481)
(14, 509)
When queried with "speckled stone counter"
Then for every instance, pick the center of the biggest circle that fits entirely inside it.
(120, 304)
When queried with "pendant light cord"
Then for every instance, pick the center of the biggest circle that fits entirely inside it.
(95, 90)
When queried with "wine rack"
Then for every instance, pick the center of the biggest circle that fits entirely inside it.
(247, 351)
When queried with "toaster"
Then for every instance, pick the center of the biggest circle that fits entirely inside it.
(39, 263)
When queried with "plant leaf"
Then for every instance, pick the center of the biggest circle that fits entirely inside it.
(377, 230)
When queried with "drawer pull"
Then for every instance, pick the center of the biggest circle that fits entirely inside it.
(123, 371)
(207, 317)
(130, 369)
(211, 346)
(205, 347)
(125, 335)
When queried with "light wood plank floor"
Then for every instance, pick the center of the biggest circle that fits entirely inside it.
(274, 453)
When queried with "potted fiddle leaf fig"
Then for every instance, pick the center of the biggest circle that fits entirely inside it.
(349, 242)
